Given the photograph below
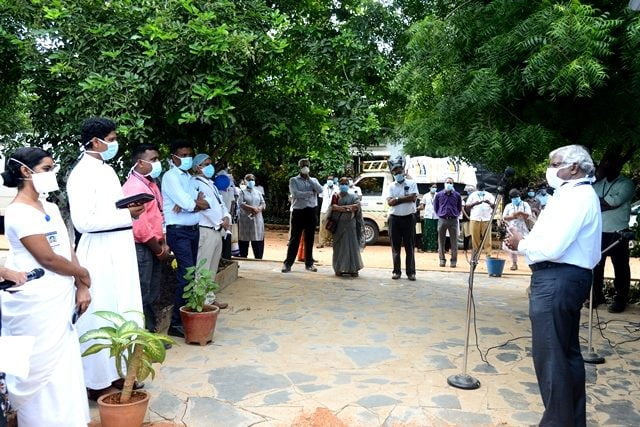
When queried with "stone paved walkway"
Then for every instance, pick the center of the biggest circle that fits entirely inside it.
(375, 352)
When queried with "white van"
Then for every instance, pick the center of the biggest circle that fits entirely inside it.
(423, 170)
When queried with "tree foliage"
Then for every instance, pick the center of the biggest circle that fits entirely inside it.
(506, 81)
(258, 83)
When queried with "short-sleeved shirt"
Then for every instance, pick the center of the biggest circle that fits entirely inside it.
(618, 194)
(150, 222)
(23, 220)
(427, 201)
(481, 212)
(401, 189)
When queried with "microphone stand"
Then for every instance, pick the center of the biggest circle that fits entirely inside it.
(592, 356)
(464, 380)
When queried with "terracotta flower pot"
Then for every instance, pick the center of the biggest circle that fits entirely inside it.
(123, 414)
(199, 327)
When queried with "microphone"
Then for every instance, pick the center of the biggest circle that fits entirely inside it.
(34, 274)
(509, 172)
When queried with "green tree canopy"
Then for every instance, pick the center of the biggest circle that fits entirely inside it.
(259, 83)
(504, 82)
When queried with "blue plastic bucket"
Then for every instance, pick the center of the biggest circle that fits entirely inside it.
(495, 266)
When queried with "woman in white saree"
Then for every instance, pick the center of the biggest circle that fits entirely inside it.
(53, 393)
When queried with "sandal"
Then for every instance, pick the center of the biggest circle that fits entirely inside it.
(514, 267)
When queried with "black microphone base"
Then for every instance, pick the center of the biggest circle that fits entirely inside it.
(593, 358)
(463, 381)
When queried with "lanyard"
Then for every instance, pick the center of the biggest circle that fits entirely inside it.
(604, 186)
(213, 188)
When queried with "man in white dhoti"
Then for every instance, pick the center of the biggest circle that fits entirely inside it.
(53, 393)
(106, 247)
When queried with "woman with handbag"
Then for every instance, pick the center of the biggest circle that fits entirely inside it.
(516, 215)
(347, 227)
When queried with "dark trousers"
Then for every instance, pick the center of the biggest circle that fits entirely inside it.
(226, 247)
(556, 298)
(451, 225)
(301, 220)
(150, 273)
(402, 233)
(184, 245)
(620, 259)
(256, 245)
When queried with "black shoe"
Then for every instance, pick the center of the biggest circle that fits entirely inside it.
(395, 276)
(119, 384)
(443, 263)
(616, 307)
(411, 277)
(176, 331)
(285, 268)
(311, 268)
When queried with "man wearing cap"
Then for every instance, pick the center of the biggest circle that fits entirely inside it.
(401, 197)
(181, 204)
(304, 192)
(214, 221)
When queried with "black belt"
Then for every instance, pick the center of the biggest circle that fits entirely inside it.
(210, 228)
(111, 230)
(548, 264)
(448, 217)
(183, 227)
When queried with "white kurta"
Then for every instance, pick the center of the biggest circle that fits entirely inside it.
(93, 188)
(53, 393)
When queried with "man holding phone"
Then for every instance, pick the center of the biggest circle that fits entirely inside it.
(148, 234)
(401, 197)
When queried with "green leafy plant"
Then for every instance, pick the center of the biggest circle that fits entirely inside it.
(200, 284)
(130, 345)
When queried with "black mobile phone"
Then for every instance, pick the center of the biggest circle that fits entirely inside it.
(76, 314)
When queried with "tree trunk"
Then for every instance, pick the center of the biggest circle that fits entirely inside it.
(132, 370)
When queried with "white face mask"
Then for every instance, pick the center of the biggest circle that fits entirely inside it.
(43, 182)
(552, 177)
(304, 170)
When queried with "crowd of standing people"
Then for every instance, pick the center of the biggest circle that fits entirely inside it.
(114, 264)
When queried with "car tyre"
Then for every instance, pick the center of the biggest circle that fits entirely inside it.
(371, 232)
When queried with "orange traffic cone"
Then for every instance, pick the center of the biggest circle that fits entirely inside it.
(301, 248)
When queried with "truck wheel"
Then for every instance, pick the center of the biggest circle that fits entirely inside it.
(371, 232)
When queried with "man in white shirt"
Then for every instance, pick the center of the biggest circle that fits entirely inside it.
(401, 197)
(562, 249)
(480, 205)
(214, 221)
(328, 191)
(354, 189)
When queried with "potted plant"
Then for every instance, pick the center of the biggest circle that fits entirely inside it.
(198, 318)
(135, 349)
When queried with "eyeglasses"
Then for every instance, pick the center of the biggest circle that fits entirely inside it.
(558, 164)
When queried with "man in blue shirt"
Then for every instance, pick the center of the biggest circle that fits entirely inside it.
(447, 206)
(181, 204)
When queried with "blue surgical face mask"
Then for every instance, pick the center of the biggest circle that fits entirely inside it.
(185, 162)
(531, 193)
(399, 177)
(344, 188)
(208, 170)
(330, 183)
(251, 183)
(156, 169)
(112, 150)
(516, 201)
(448, 186)
(432, 190)
(335, 180)
(481, 193)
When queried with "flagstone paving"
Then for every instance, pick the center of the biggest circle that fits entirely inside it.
(377, 352)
